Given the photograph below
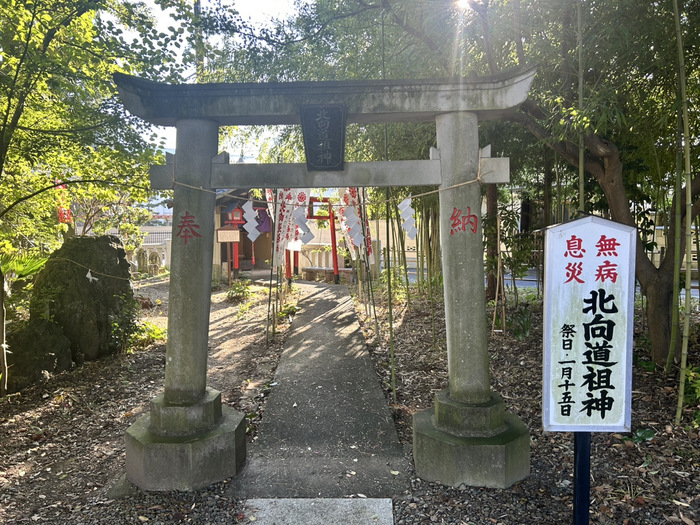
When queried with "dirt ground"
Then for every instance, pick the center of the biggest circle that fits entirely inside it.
(63, 440)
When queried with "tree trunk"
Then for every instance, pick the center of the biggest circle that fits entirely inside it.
(525, 214)
(603, 161)
(659, 300)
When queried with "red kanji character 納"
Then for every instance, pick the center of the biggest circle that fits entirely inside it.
(470, 220)
(457, 224)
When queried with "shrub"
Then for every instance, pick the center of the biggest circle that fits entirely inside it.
(239, 292)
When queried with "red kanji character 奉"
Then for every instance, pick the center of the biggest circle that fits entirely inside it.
(573, 272)
(607, 270)
(574, 248)
(188, 228)
(607, 247)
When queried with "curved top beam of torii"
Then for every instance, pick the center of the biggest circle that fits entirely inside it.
(367, 101)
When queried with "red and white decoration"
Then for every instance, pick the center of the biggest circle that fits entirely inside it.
(349, 211)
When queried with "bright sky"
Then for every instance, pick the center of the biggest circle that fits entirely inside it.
(263, 10)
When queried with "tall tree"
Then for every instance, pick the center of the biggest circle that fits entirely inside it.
(60, 121)
(627, 121)
(629, 90)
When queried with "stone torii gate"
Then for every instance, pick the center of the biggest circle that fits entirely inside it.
(189, 439)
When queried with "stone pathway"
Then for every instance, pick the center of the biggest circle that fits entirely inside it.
(327, 431)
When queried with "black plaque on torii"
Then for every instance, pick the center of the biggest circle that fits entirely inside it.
(323, 127)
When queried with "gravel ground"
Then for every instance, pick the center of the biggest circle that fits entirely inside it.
(63, 446)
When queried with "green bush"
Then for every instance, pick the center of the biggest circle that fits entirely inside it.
(521, 322)
(146, 334)
(239, 292)
(287, 311)
(692, 385)
(125, 323)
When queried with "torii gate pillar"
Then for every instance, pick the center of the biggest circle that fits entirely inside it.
(467, 438)
(189, 439)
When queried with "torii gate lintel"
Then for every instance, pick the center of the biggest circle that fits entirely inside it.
(356, 174)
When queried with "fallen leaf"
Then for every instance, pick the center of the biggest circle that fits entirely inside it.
(687, 521)
(639, 501)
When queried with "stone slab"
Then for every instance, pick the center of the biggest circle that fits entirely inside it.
(321, 477)
(370, 511)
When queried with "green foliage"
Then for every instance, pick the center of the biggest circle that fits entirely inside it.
(649, 366)
(21, 266)
(692, 385)
(125, 324)
(399, 291)
(516, 246)
(287, 311)
(145, 334)
(61, 123)
(521, 322)
(642, 435)
(17, 271)
(239, 292)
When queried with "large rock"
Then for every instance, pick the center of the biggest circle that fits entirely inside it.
(84, 288)
(36, 350)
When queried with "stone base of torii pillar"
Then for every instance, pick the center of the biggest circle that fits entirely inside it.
(475, 445)
(209, 446)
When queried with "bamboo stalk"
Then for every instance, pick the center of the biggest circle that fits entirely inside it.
(688, 215)
(676, 250)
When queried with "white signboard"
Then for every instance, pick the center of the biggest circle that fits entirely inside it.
(588, 326)
(228, 235)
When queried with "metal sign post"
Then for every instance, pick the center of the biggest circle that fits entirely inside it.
(588, 329)
(582, 477)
